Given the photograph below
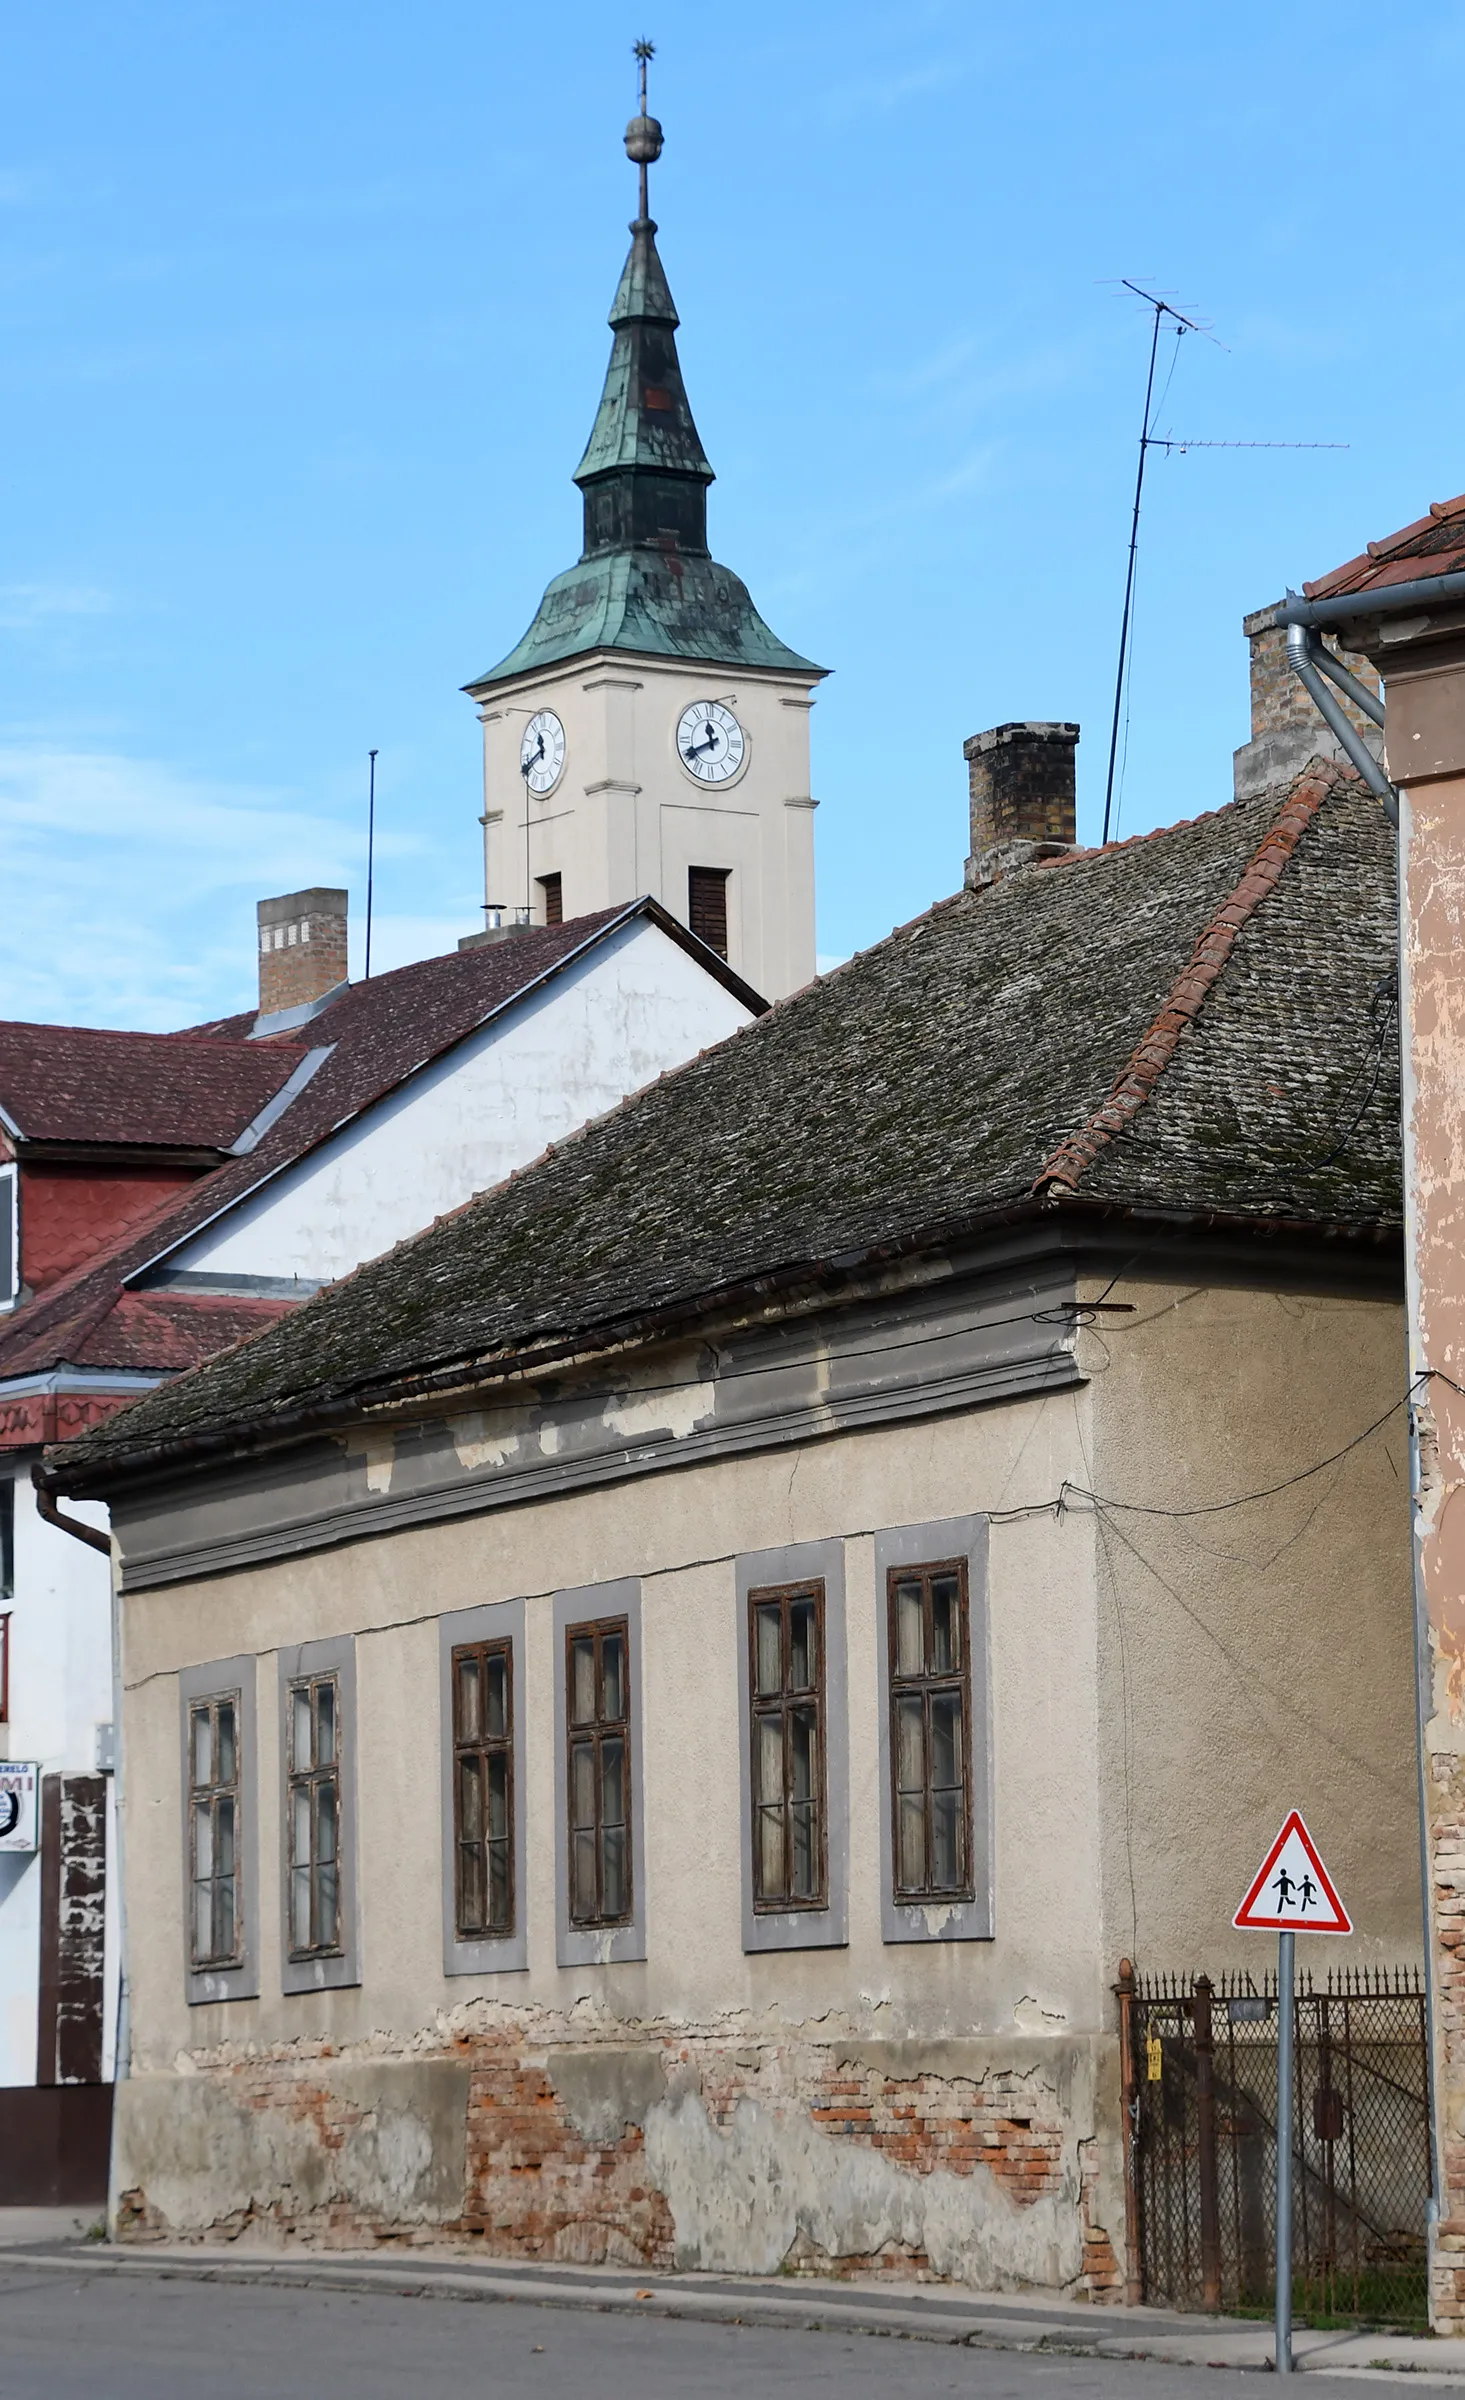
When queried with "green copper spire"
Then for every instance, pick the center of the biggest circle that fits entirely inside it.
(645, 581)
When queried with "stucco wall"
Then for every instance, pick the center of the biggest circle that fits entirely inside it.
(637, 1006)
(945, 2108)
(1254, 1658)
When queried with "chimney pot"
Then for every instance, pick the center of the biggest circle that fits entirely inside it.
(302, 948)
(1023, 796)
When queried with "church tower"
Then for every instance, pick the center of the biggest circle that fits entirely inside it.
(650, 734)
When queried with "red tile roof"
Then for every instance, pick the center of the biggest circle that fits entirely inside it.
(381, 1033)
(1432, 545)
(77, 1083)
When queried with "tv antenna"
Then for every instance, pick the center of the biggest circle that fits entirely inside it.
(370, 851)
(1150, 440)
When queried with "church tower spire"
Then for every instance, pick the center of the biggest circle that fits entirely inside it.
(645, 473)
(650, 733)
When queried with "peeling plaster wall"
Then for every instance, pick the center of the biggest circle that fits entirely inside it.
(942, 2109)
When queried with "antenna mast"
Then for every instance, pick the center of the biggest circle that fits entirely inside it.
(370, 852)
(1183, 325)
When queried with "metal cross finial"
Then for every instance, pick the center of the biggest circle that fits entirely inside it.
(643, 134)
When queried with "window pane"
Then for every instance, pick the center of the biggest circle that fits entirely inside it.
(768, 1758)
(614, 1893)
(613, 1677)
(325, 1822)
(500, 1914)
(582, 1680)
(613, 1782)
(947, 1843)
(300, 1747)
(582, 1785)
(325, 1706)
(768, 1852)
(498, 1796)
(203, 1838)
(910, 1746)
(945, 1624)
(470, 1799)
(910, 1637)
(470, 1698)
(224, 1918)
(202, 1748)
(227, 1770)
(300, 1826)
(583, 1901)
(768, 1642)
(496, 1711)
(804, 1835)
(472, 1897)
(802, 1645)
(326, 1908)
(946, 1759)
(300, 1908)
(803, 1745)
(223, 1837)
(203, 1921)
(911, 1833)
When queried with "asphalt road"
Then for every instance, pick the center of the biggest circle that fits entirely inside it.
(136, 2337)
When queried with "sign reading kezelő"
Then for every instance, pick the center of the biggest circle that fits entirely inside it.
(1292, 1891)
(20, 1792)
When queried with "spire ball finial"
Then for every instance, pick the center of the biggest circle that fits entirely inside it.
(643, 134)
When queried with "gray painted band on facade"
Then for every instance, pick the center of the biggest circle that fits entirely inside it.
(214, 1681)
(958, 1343)
(940, 1921)
(824, 1928)
(495, 1621)
(343, 1967)
(608, 1945)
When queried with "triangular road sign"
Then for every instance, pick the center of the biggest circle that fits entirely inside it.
(1293, 1891)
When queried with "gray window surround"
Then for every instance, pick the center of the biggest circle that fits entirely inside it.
(343, 1968)
(940, 1920)
(495, 1621)
(212, 1681)
(603, 1945)
(825, 1928)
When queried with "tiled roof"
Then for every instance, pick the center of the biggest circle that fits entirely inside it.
(957, 1073)
(381, 1033)
(77, 1083)
(1432, 545)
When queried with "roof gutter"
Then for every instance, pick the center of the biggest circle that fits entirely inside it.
(1387, 600)
(50, 1514)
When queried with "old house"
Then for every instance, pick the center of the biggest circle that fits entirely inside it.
(161, 1197)
(652, 1713)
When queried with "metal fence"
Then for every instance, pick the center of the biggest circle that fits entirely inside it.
(1199, 2061)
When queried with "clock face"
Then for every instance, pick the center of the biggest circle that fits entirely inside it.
(711, 744)
(542, 752)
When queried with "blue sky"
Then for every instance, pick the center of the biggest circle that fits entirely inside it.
(304, 326)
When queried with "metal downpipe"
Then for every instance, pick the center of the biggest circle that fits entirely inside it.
(1302, 643)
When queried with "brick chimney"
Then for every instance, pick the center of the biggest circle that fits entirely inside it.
(1023, 797)
(302, 948)
(1286, 730)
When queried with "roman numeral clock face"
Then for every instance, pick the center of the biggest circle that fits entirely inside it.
(711, 744)
(542, 752)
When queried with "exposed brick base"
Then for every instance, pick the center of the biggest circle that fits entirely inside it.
(841, 2166)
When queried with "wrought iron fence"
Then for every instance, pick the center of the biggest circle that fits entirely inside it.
(1199, 2061)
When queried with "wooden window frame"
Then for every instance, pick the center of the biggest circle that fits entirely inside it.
(762, 1706)
(212, 1795)
(553, 888)
(927, 1684)
(483, 1749)
(597, 1732)
(314, 1780)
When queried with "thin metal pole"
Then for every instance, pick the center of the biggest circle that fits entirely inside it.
(1205, 2146)
(1139, 485)
(1286, 2029)
(370, 852)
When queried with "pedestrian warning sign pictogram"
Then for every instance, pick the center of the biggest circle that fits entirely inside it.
(1293, 1891)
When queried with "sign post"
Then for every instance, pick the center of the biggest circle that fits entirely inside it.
(1291, 1887)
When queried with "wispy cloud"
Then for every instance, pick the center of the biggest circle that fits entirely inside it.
(23, 605)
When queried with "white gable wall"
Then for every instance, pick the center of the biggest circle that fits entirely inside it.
(634, 1007)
